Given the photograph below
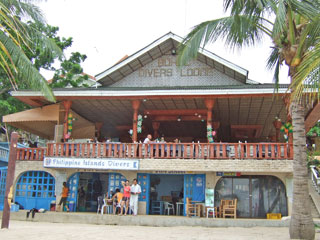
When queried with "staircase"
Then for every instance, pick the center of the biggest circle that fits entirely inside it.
(314, 187)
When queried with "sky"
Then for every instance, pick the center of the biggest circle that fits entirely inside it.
(106, 31)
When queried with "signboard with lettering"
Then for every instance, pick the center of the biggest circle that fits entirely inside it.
(91, 163)
(228, 174)
(164, 71)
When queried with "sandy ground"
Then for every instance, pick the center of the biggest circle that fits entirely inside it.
(62, 231)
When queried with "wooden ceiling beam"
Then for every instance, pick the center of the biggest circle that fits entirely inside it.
(171, 118)
(176, 112)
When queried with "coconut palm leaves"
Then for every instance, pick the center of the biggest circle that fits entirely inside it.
(14, 35)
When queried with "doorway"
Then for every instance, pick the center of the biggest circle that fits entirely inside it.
(257, 195)
(165, 189)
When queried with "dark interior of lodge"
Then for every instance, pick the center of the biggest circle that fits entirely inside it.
(234, 119)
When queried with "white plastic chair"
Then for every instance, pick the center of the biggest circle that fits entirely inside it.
(108, 207)
(167, 207)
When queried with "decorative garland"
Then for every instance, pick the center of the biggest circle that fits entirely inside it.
(70, 118)
(210, 133)
(139, 123)
(286, 128)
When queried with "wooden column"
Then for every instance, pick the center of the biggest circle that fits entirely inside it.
(9, 182)
(277, 124)
(155, 126)
(135, 106)
(98, 126)
(216, 126)
(67, 106)
(209, 104)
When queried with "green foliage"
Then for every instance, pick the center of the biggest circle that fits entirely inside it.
(70, 73)
(314, 131)
(70, 68)
(16, 35)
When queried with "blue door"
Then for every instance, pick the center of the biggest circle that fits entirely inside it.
(194, 187)
(3, 177)
(115, 182)
(144, 182)
(35, 189)
(73, 183)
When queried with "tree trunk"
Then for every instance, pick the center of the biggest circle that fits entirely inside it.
(301, 224)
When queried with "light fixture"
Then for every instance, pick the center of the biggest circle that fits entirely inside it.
(199, 116)
(195, 114)
(144, 99)
(179, 119)
(145, 116)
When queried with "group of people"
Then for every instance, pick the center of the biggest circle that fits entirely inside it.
(148, 139)
(129, 197)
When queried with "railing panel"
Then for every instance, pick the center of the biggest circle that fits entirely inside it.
(162, 150)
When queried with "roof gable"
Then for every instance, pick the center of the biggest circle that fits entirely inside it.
(163, 47)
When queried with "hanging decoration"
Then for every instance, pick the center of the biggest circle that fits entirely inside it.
(139, 123)
(210, 133)
(286, 128)
(70, 118)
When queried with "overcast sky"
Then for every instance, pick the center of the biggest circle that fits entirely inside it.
(107, 30)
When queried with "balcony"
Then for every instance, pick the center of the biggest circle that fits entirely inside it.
(212, 151)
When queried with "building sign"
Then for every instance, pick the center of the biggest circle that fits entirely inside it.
(166, 66)
(228, 174)
(91, 163)
(172, 172)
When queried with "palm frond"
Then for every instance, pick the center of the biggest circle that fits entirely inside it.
(236, 31)
(26, 70)
(307, 78)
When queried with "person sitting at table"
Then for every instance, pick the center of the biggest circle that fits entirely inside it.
(148, 139)
(116, 199)
(176, 140)
(162, 140)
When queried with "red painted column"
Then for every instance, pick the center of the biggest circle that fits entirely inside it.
(67, 106)
(155, 126)
(98, 126)
(135, 106)
(277, 124)
(9, 182)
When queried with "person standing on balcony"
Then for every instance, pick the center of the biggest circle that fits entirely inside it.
(148, 139)
(135, 191)
(64, 196)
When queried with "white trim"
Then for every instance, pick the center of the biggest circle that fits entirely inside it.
(106, 93)
(161, 40)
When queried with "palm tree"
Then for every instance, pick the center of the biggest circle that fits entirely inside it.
(294, 32)
(15, 34)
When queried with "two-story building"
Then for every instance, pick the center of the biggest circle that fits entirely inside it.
(221, 131)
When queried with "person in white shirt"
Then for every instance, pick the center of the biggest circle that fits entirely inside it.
(135, 191)
(148, 139)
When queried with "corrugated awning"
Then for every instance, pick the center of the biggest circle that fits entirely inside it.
(42, 121)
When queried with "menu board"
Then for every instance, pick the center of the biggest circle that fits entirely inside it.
(209, 197)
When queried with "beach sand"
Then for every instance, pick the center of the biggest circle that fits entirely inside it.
(62, 231)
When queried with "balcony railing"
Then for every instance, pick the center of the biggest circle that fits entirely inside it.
(270, 151)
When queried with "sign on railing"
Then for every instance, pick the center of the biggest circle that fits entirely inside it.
(91, 163)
